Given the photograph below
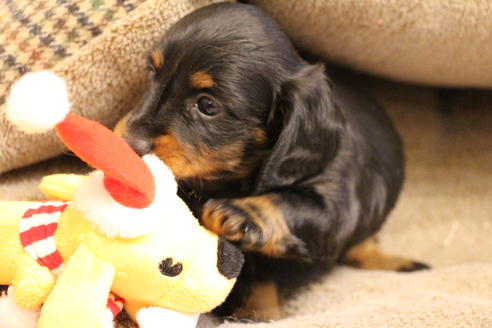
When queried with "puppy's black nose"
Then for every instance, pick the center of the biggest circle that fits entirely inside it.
(140, 146)
(230, 260)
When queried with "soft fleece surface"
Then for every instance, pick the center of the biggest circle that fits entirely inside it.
(434, 42)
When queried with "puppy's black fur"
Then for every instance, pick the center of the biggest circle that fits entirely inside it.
(267, 152)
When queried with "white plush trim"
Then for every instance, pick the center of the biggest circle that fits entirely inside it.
(155, 317)
(37, 102)
(116, 220)
(108, 321)
(14, 316)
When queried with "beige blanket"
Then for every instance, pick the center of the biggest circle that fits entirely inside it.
(444, 216)
(425, 41)
(435, 42)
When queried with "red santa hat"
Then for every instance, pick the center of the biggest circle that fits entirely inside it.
(124, 187)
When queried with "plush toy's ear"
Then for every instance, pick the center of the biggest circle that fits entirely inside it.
(61, 186)
(80, 295)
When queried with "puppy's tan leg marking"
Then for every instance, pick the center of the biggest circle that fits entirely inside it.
(255, 222)
(263, 304)
(367, 255)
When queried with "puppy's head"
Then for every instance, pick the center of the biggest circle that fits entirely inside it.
(225, 96)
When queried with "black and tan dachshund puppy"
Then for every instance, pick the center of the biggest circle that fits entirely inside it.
(267, 152)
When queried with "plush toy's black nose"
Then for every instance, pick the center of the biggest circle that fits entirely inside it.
(140, 146)
(229, 259)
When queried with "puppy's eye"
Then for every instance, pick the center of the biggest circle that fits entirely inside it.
(169, 269)
(207, 106)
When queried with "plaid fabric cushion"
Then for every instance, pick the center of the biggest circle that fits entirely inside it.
(36, 34)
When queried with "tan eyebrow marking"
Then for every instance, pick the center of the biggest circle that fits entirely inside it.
(157, 58)
(201, 80)
(260, 136)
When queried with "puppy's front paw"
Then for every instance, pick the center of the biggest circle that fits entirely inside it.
(232, 222)
(254, 223)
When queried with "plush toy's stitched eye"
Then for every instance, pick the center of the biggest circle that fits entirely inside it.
(168, 269)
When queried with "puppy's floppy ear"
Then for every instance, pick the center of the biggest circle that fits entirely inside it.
(307, 127)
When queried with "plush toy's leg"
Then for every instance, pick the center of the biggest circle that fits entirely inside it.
(32, 282)
(80, 295)
(61, 186)
(155, 317)
(14, 316)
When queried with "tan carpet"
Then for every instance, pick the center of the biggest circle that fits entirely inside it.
(444, 218)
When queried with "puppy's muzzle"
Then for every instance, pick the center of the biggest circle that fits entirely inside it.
(140, 146)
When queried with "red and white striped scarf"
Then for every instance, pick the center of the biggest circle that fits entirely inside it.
(37, 228)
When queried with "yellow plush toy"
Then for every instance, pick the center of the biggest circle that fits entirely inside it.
(120, 236)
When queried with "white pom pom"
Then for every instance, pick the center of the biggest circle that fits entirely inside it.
(37, 102)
